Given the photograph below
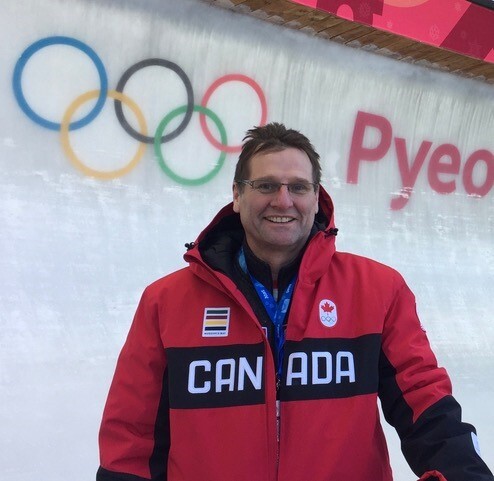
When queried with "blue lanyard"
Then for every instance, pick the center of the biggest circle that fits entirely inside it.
(276, 310)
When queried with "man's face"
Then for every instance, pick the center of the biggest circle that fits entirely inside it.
(279, 223)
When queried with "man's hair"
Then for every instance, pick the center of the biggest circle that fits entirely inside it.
(274, 137)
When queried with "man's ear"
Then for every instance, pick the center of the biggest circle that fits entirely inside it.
(236, 195)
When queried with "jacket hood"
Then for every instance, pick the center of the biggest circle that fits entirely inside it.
(225, 234)
(324, 218)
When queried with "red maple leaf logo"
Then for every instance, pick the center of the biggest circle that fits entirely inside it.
(327, 307)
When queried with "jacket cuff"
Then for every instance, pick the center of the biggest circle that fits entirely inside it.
(432, 476)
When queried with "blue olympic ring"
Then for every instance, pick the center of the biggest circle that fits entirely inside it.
(59, 40)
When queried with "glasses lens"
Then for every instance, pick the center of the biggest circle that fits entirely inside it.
(271, 187)
(299, 188)
(265, 186)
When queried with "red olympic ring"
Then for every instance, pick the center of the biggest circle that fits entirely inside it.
(207, 96)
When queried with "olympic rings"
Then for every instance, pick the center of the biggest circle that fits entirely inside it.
(118, 96)
(190, 98)
(207, 96)
(45, 42)
(161, 159)
(64, 132)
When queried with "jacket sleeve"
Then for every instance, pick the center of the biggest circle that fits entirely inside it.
(134, 433)
(416, 399)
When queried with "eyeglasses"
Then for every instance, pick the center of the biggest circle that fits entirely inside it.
(271, 187)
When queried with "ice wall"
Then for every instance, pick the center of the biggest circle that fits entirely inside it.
(90, 214)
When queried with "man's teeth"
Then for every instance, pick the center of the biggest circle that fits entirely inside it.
(280, 220)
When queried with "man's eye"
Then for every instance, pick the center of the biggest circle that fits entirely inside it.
(299, 188)
(266, 186)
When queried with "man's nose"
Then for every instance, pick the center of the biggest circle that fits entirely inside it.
(282, 198)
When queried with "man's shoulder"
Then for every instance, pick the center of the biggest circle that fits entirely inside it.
(362, 262)
(174, 279)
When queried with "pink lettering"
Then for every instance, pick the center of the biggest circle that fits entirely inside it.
(408, 173)
(470, 187)
(443, 168)
(358, 151)
(437, 166)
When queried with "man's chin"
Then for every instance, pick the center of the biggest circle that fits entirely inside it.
(284, 242)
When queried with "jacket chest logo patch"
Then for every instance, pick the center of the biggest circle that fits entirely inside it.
(328, 313)
(216, 322)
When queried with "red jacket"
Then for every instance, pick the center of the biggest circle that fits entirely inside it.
(194, 396)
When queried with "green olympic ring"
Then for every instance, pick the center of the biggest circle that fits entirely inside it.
(159, 154)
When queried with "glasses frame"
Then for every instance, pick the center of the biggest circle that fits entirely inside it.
(279, 184)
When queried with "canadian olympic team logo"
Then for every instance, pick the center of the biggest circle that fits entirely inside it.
(178, 118)
(328, 313)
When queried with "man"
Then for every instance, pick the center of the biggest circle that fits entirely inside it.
(264, 358)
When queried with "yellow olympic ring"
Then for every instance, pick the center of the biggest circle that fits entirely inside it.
(64, 135)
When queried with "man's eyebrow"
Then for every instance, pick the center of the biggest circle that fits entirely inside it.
(273, 179)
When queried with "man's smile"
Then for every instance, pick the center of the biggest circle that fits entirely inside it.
(279, 219)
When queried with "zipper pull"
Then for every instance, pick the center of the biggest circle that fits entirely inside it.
(190, 245)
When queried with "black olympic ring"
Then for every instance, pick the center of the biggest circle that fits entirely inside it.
(190, 99)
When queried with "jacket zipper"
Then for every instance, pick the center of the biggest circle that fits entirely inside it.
(278, 420)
